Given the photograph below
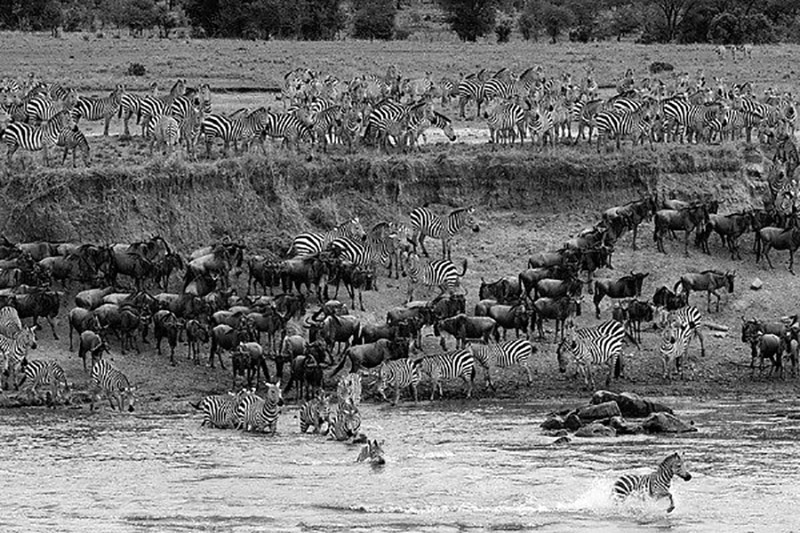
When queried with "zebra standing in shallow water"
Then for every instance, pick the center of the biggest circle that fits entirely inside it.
(43, 373)
(219, 410)
(114, 384)
(400, 373)
(656, 484)
(13, 349)
(516, 352)
(425, 223)
(315, 413)
(600, 345)
(261, 414)
(450, 365)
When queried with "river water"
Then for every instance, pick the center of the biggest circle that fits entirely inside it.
(451, 466)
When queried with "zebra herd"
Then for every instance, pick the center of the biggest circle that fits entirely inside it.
(393, 112)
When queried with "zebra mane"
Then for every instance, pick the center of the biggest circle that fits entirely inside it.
(669, 460)
(459, 210)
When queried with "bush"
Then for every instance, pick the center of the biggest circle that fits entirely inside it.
(724, 29)
(581, 34)
(504, 28)
(136, 69)
(660, 66)
(402, 34)
(374, 19)
(470, 19)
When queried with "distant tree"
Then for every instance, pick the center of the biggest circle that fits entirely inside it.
(555, 19)
(470, 19)
(203, 13)
(503, 27)
(756, 28)
(673, 12)
(624, 20)
(374, 19)
(724, 29)
(530, 21)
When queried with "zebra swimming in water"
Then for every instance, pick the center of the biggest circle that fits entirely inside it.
(656, 484)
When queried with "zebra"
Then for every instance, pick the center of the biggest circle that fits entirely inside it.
(617, 123)
(674, 345)
(315, 413)
(233, 129)
(43, 373)
(13, 349)
(99, 108)
(311, 243)
(74, 139)
(388, 115)
(450, 365)
(417, 125)
(164, 131)
(440, 273)
(130, 105)
(425, 223)
(372, 251)
(114, 384)
(43, 107)
(503, 355)
(583, 112)
(470, 89)
(325, 124)
(261, 414)
(372, 451)
(507, 120)
(690, 317)
(689, 119)
(600, 345)
(736, 120)
(540, 124)
(349, 388)
(656, 484)
(219, 410)
(345, 422)
(400, 373)
(151, 106)
(10, 323)
(19, 135)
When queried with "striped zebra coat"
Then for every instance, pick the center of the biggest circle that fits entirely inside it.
(492, 355)
(656, 484)
(99, 108)
(450, 365)
(345, 422)
(315, 413)
(400, 374)
(19, 135)
(425, 223)
(441, 273)
(219, 410)
(108, 381)
(261, 414)
(311, 243)
(13, 349)
(49, 374)
(74, 139)
(674, 345)
(600, 345)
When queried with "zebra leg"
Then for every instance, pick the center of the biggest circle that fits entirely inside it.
(105, 128)
(671, 503)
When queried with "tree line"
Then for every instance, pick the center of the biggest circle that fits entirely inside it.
(682, 21)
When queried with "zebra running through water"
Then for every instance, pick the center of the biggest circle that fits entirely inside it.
(450, 365)
(99, 108)
(13, 349)
(315, 413)
(656, 484)
(600, 345)
(109, 381)
(311, 243)
(36, 373)
(425, 223)
(219, 410)
(515, 352)
(261, 414)
(400, 373)
(441, 273)
(20, 135)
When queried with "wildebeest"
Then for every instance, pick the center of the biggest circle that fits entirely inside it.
(91, 343)
(686, 220)
(307, 270)
(464, 328)
(556, 288)
(291, 347)
(556, 309)
(530, 277)
(39, 303)
(505, 290)
(709, 281)
(768, 346)
(218, 262)
(508, 317)
(306, 369)
(780, 239)
(625, 287)
(335, 329)
(263, 271)
(372, 332)
(196, 334)
(752, 327)
(183, 305)
(247, 360)
(126, 259)
(81, 320)
(166, 324)
(631, 314)
(10, 277)
(355, 278)
(563, 258)
(371, 355)
(68, 268)
(224, 337)
(631, 214)
(729, 228)
(92, 298)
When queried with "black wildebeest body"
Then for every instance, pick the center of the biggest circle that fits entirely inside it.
(81, 320)
(337, 329)
(753, 327)
(291, 347)
(224, 337)
(263, 271)
(625, 287)
(92, 298)
(686, 220)
(558, 310)
(447, 305)
(247, 360)
(10, 277)
(70, 268)
(631, 314)
(183, 305)
(91, 343)
(508, 317)
(373, 332)
(780, 239)
(371, 355)
(464, 327)
(38, 250)
(38, 304)
(196, 334)
(355, 278)
(163, 268)
(482, 307)
(769, 346)
(308, 271)
(667, 299)
(729, 228)
(270, 322)
(166, 324)
(130, 262)
(505, 290)
(709, 281)
(631, 215)
(306, 370)
(556, 288)
(561, 258)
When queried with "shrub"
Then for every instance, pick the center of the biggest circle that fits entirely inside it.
(374, 19)
(136, 69)
(660, 66)
(503, 29)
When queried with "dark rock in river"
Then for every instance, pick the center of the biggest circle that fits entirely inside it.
(595, 429)
(553, 422)
(595, 412)
(573, 422)
(666, 423)
(630, 405)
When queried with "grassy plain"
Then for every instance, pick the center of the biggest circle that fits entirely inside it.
(528, 201)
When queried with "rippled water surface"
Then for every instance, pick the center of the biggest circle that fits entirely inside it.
(487, 468)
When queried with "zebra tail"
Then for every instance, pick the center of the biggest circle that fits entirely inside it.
(196, 405)
(618, 367)
(632, 339)
(464, 270)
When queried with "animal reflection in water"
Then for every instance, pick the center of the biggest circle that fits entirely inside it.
(372, 452)
(656, 484)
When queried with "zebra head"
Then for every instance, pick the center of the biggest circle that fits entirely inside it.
(561, 352)
(27, 337)
(674, 464)
(127, 396)
(274, 395)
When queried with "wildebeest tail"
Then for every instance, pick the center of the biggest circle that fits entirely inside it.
(618, 366)
(464, 270)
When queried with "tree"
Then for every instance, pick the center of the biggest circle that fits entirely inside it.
(624, 20)
(470, 19)
(203, 13)
(374, 19)
(556, 19)
(530, 20)
(673, 12)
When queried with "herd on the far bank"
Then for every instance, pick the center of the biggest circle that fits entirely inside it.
(393, 112)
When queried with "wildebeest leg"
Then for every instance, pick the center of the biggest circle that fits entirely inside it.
(791, 260)
(421, 241)
(686, 243)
